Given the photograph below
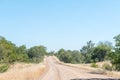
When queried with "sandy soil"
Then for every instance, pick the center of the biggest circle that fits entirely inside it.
(51, 69)
(57, 71)
(22, 71)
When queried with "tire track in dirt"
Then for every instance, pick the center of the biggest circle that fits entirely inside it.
(51, 72)
(57, 71)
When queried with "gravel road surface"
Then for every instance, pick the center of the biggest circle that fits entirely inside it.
(56, 71)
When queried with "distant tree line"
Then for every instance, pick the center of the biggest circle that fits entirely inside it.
(10, 53)
(91, 53)
(88, 53)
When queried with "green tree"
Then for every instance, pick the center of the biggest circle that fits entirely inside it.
(6, 49)
(101, 51)
(77, 57)
(115, 56)
(87, 50)
(21, 53)
(21, 50)
(37, 53)
(64, 56)
(51, 53)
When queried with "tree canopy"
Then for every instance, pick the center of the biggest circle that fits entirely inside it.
(10, 53)
(91, 52)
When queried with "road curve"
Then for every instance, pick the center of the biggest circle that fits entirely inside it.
(56, 71)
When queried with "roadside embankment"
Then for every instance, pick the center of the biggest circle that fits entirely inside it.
(115, 74)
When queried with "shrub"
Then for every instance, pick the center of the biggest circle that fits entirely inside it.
(99, 71)
(107, 66)
(4, 68)
(94, 65)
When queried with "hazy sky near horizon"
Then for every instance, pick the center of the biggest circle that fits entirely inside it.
(59, 24)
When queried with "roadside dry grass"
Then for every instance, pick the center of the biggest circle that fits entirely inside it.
(88, 67)
(22, 71)
(114, 74)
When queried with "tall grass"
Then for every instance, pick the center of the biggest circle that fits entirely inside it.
(23, 72)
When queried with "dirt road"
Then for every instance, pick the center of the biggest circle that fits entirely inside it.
(56, 71)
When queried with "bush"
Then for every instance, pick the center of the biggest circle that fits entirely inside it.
(99, 71)
(94, 65)
(4, 68)
(107, 66)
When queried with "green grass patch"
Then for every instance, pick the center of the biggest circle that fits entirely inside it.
(94, 65)
(4, 68)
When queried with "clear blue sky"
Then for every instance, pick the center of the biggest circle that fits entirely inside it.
(59, 24)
